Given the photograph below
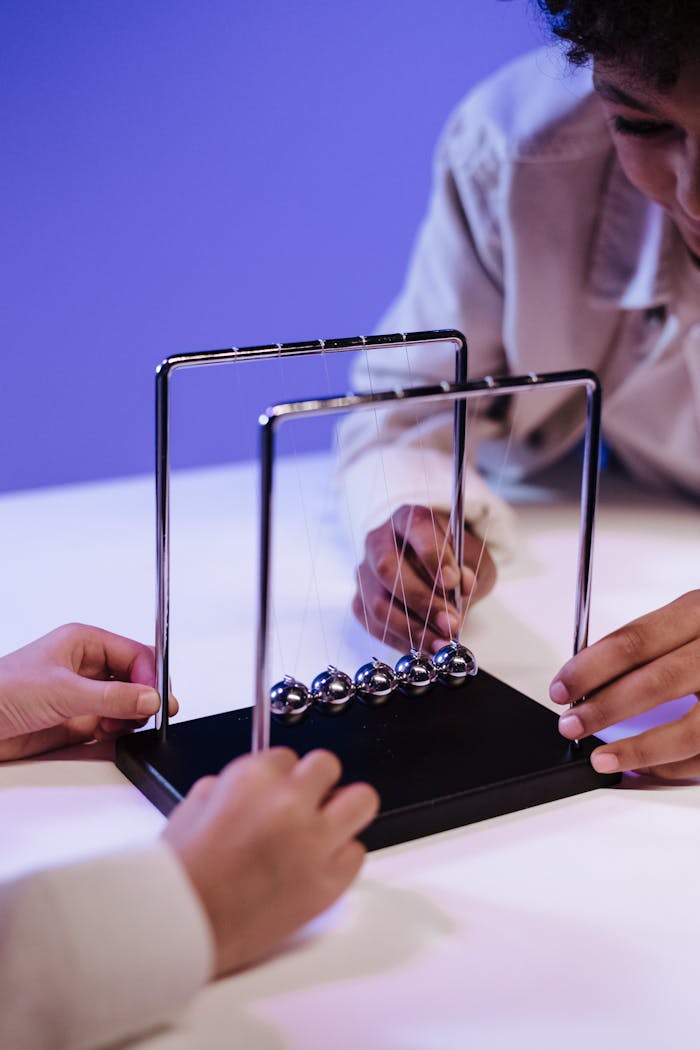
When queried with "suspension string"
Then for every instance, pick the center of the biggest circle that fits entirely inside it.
(398, 578)
(443, 548)
(439, 550)
(276, 631)
(346, 500)
(313, 577)
(489, 509)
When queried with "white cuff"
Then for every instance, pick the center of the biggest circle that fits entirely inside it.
(93, 952)
(376, 484)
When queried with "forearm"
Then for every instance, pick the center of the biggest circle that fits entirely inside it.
(94, 952)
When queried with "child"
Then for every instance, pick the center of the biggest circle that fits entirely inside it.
(563, 232)
(93, 952)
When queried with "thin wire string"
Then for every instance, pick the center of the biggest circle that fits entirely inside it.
(346, 500)
(398, 578)
(489, 510)
(398, 582)
(276, 629)
(439, 550)
(443, 548)
(313, 576)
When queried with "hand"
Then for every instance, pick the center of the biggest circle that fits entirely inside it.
(77, 683)
(268, 845)
(427, 555)
(650, 661)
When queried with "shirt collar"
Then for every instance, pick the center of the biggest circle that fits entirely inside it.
(633, 249)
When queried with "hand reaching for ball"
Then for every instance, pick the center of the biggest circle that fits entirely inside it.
(408, 569)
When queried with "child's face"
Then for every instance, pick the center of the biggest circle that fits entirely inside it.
(657, 138)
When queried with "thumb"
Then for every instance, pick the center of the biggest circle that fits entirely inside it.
(112, 699)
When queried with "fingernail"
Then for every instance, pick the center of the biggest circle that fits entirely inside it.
(450, 577)
(604, 762)
(468, 580)
(571, 727)
(559, 693)
(147, 702)
(437, 646)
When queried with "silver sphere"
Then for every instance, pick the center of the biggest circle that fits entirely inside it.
(415, 673)
(375, 682)
(332, 691)
(455, 664)
(289, 701)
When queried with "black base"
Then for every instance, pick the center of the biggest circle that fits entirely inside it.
(448, 758)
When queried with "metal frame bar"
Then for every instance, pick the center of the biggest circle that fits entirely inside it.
(459, 393)
(176, 362)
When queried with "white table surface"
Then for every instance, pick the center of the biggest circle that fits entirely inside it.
(575, 923)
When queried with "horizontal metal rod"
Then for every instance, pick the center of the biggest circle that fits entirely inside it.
(315, 346)
(198, 358)
(421, 395)
(443, 392)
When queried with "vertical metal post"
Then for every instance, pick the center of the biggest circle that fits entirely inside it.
(162, 657)
(261, 709)
(589, 494)
(458, 467)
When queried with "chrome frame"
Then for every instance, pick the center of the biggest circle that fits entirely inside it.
(459, 393)
(257, 353)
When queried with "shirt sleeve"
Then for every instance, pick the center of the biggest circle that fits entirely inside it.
(402, 455)
(94, 952)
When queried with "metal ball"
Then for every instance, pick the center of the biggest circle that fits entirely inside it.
(375, 682)
(415, 673)
(289, 701)
(455, 664)
(332, 691)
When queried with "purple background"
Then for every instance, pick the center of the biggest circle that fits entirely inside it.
(179, 175)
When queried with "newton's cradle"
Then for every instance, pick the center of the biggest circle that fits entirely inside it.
(443, 742)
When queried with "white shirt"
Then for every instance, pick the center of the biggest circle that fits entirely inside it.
(93, 952)
(538, 248)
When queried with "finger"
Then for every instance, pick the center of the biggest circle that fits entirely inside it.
(109, 728)
(274, 761)
(386, 619)
(95, 652)
(674, 746)
(687, 769)
(628, 648)
(674, 675)
(422, 637)
(386, 572)
(201, 790)
(345, 864)
(349, 810)
(14, 748)
(316, 774)
(112, 699)
(414, 599)
(427, 534)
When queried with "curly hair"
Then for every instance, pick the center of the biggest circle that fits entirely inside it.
(655, 36)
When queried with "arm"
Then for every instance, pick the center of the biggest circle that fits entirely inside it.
(395, 463)
(94, 952)
(651, 660)
(455, 280)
